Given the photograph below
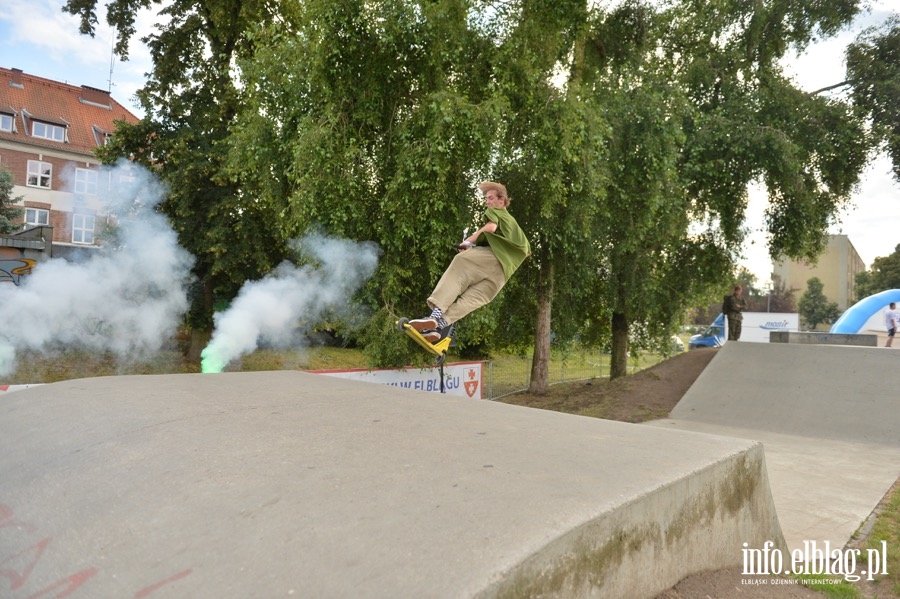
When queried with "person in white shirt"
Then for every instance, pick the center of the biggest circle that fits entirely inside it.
(891, 323)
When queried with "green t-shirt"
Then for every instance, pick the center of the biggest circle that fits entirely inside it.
(508, 242)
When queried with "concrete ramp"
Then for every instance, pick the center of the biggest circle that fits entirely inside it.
(827, 416)
(284, 484)
(818, 391)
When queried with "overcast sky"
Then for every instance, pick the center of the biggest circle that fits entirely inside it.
(37, 37)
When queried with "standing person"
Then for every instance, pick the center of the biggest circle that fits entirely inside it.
(891, 322)
(486, 260)
(733, 307)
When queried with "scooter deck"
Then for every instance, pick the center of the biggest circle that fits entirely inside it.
(439, 349)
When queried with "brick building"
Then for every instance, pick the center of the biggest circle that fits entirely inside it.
(48, 133)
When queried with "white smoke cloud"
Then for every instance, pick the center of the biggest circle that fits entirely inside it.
(127, 298)
(270, 309)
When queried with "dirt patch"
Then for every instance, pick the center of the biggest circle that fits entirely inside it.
(645, 395)
(651, 394)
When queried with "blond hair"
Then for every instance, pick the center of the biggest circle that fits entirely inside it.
(486, 186)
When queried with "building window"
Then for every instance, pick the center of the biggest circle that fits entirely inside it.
(82, 228)
(85, 182)
(37, 217)
(48, 131)
(39, 174)
(6, 122)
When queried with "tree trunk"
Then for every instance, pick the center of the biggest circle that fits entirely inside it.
(201, 329)
(199, 340)
(618, 365)
(540, 363)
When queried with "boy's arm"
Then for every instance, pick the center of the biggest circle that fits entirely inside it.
(489, 227)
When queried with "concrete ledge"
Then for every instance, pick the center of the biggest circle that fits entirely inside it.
(812, 338)
(286, 483)
(639, 548)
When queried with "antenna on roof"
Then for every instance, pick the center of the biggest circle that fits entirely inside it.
(112, 61)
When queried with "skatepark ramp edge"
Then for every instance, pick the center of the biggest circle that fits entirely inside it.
(271, 483)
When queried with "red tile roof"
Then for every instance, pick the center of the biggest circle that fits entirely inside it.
(86, 112)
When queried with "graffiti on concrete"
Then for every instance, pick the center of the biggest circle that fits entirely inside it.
(13, 269)
(16, 569)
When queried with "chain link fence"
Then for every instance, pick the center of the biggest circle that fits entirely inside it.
(512, 375)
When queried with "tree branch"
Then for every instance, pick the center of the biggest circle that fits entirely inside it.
(830, 87)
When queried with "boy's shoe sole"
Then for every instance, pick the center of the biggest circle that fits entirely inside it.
(438, 335)
(431, 336)
(424, 324)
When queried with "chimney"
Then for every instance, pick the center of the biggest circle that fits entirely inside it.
(15, 78)
(97, 97)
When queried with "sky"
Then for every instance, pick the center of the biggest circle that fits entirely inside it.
(59, 52)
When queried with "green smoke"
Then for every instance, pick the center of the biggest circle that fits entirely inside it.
(210, 362)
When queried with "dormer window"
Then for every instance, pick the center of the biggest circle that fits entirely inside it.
(100, 136)
(48, 131)
(6, 122)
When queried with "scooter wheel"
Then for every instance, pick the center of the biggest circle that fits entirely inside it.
(440, 359)
(400, 323)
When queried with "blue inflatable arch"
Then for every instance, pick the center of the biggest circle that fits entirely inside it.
(856, 315)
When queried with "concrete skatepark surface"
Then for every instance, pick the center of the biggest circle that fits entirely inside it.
(291, 484)
(287, 483)
(829, 421)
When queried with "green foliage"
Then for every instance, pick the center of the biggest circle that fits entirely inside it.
(394, 348)
(781, 299)
(873, 69)
(887, 530)
(379, 133)
(814, 307)
(190, 98)
(882, 275)
(626, 136)
(747, 280)
(8, 211)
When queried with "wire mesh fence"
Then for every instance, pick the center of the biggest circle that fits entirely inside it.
(505, 376)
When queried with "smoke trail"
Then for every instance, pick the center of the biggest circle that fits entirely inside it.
(271, 308)
(127, 297)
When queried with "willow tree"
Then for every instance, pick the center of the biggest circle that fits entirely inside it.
(190, 99)
(554, 155)
(378, 131)
(873, 72)
(627, 138)
(699, 114)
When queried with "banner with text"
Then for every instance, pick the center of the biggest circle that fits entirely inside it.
(461, 378)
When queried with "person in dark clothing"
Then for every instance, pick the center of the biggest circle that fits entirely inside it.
(733, 308)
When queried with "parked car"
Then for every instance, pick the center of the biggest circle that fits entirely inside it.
(713, 336)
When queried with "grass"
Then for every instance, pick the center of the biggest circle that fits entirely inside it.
(510, 373)
(840, 589)
(33, 368)
(887, 530)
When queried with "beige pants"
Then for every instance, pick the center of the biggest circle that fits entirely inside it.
(473, 279)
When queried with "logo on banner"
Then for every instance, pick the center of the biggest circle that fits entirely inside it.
(471, 384)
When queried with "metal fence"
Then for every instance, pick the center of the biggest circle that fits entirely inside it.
(506, 376)
(512, 375)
